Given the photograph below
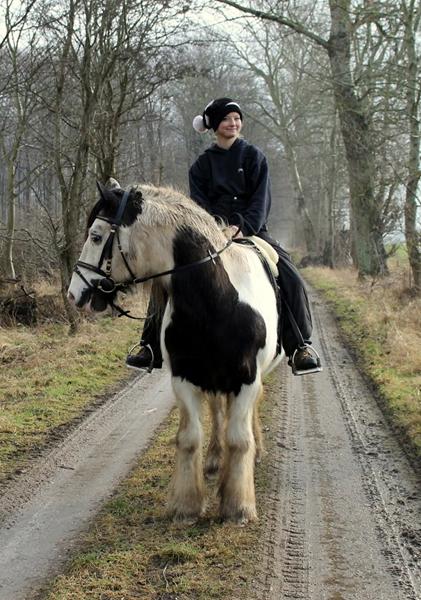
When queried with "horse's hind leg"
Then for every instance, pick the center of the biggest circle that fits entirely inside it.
(186, 498)
(215, 453)
(257, 429)
(237, 482)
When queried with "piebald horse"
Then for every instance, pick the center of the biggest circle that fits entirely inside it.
(219, 331)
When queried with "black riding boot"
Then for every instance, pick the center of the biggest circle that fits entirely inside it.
(296, 324)
(149, 355)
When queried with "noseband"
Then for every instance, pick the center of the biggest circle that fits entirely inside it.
(107, 284)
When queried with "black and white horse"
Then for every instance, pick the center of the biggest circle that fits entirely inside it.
(219, 332)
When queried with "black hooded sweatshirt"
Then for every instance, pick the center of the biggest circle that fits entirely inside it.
(230, 182)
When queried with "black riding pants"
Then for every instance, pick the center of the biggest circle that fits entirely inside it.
(293, 292)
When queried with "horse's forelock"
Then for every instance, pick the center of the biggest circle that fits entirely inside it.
(107, 206)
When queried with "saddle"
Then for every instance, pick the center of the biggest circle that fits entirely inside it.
(267, 255)
(268, 252)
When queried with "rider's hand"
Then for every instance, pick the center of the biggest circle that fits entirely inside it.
(234, 231)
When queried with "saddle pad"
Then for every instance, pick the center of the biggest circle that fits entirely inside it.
(268, 252)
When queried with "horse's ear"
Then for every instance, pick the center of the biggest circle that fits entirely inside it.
(101, 189)
(112, 184)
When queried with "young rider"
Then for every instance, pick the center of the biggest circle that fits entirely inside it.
(231, 181)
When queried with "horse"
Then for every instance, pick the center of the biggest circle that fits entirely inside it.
(218, 336)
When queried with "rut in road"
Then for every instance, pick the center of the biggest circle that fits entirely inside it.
(345, 504)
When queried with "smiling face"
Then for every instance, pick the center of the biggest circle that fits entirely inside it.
(230, 127)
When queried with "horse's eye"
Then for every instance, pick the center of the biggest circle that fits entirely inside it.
(96, 238)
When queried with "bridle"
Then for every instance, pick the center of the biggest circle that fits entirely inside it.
(107, 284)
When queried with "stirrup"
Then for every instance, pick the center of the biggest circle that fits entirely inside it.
(133, 347)
(315, 369)
(151, 364)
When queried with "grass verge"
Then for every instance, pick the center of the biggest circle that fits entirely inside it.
(49, 379)
(134, 551)
(381, 323)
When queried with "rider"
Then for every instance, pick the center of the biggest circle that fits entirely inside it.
(231, 180)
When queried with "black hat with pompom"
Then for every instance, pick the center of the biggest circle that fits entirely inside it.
(213, 114)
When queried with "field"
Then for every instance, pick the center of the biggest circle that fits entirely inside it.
(49, 379)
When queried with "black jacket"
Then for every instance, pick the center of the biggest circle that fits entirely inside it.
(231, 182)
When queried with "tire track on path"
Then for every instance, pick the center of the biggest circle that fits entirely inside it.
(345, 504)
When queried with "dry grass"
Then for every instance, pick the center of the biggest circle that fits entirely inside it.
(49, 378)
(134, 551)
(382, 322)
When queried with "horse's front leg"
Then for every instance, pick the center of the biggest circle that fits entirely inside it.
(237, 482)
(186, 498)
(215, 453)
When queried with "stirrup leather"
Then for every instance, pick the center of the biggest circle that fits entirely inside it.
(316, 369)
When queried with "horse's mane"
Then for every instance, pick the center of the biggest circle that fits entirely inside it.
(169, 207)
(161, 206)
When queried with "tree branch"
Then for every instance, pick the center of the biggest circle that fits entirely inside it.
(294, 25)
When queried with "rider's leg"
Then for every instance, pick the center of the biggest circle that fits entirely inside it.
(149, 355)
(294, 293)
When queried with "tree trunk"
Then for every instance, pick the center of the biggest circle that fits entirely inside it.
(369, 247)
(308, 229)
(6, 259)
(412, 236)
(329, 253)
(65, 276)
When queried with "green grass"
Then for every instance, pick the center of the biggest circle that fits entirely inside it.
(49, 379)
(134, 551)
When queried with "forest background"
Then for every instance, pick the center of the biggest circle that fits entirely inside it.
(330, 89)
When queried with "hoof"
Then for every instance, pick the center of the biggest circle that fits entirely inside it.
(185, 520)
(241, 516)
(185, 517)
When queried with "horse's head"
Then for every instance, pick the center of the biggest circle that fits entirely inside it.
(107, 253)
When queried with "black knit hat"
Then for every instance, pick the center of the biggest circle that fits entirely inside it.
(214, 113)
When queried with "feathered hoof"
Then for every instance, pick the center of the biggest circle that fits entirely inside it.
(185, 516)
(241, 516)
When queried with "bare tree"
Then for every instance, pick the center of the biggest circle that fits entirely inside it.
(286, 106)
(21, 65)
(412, 13)
(96, 78)
(355, 127)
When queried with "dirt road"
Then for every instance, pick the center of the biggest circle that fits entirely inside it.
(344, 506)
(43, 513)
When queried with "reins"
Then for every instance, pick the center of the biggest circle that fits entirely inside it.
(107, 284)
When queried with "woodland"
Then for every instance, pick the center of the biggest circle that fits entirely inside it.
(93, 89)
